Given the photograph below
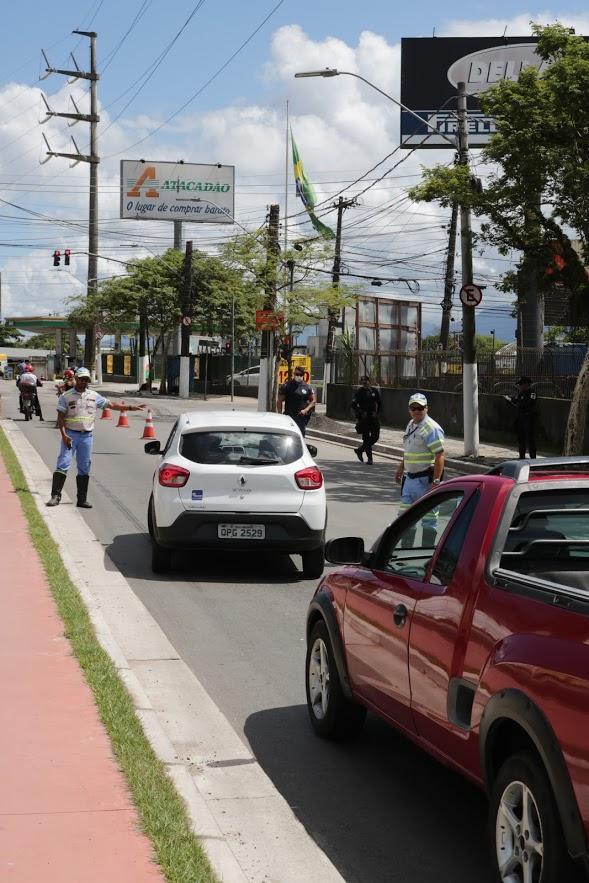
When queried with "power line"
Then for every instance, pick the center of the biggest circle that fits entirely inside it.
(204, 86)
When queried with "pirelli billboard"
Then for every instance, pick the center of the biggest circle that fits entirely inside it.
(177, 191)
(432, 67)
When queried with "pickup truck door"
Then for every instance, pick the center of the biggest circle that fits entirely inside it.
(380, 603)
(441, 693)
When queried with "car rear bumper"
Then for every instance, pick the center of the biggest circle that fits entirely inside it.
(284, 533)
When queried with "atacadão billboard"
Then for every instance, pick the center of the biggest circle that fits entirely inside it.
(432, 67)
(174, 191)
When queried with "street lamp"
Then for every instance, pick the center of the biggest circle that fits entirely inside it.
(333, 72)
(460, 144)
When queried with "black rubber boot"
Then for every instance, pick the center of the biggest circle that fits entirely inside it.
(56, 488)
(358, 453)
(82, 483)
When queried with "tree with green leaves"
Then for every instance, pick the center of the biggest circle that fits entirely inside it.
(151, 295)
(9, 335)
(305, 293)
(537, 198)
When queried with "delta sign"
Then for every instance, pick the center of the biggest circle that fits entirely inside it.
(168, 191)
(432, 67)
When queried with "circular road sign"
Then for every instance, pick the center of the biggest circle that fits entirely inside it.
(186, 320)
(471, 295)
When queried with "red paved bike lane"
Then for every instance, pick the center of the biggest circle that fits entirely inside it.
(65, 812)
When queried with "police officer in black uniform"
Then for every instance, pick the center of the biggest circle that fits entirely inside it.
(366, 405)
(297, 399)
(526, 402)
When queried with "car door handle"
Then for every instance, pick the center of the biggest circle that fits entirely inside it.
(400, 615)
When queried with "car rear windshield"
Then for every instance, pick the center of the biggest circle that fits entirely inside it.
(549, 536)
(241, 446)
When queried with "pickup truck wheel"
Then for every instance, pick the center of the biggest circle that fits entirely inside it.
(524, 826)
(313, 563)
(332, 715)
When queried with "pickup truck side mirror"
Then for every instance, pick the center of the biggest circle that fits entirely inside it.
(152, 447)
(312, 450)
(345, 550)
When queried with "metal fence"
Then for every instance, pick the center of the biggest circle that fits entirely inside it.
(553, 371)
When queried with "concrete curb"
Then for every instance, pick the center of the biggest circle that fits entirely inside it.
(246, 827)
(394, 453)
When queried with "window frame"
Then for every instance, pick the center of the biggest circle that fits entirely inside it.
(412, 516)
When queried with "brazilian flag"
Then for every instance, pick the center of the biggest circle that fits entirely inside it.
(306, 191)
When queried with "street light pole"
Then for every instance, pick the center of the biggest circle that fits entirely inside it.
(333, 72)
(470, 385)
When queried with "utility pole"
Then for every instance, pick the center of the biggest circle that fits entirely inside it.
(470, 387)
(176, 335)
(187, 310)
(332, 315)
(93, 159)
(449, 279)
(267, 351)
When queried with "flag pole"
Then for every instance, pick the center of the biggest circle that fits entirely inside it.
(286, 160)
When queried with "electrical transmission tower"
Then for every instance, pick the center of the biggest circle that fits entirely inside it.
(93, 160)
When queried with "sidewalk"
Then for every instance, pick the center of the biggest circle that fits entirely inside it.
(323, 427)
(65, 813)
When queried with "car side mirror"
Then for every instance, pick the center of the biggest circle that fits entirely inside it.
(152, 447)
(312, 450)
(345, 550)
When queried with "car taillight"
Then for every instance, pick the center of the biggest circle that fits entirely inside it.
(309, 479)
(173, 476)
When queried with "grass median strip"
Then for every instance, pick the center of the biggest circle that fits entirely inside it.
(161, 811)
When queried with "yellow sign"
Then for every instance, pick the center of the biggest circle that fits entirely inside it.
(127, 366)
(109, 364)
(303, 362)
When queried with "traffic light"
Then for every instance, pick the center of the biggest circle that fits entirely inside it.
(67, 254)
(56, 258)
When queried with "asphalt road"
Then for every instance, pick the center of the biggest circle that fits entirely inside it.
(380, 808)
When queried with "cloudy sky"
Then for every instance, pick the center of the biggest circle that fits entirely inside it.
(208, 81)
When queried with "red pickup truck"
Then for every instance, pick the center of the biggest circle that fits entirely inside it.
(466, 626)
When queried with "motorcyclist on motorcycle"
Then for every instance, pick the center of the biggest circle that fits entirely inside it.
(28, 382)
(67, 382)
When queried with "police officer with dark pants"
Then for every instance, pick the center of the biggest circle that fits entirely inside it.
(366, 405)
(526, 402)
(297, 399)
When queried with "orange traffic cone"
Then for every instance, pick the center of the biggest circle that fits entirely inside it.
(149, 431)
(123, 419)
(106, 414)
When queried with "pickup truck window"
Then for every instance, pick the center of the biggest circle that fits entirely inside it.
(450, 552)
(408, 553)
(549, 536)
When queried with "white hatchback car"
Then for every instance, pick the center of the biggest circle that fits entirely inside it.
(237, 480)
(247, 377)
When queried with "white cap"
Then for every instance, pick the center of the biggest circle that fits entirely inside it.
(419, 399)
(83, 372)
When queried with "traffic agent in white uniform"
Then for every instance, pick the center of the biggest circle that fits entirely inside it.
(76, 413)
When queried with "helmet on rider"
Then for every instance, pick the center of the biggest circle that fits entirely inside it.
(68, 374)
(28, 369)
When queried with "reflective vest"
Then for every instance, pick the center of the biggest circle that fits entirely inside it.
(80, 410)
(421, 442)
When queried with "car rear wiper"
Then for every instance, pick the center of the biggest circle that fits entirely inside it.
(257, 461)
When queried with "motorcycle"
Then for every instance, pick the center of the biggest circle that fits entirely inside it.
(28, 402)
